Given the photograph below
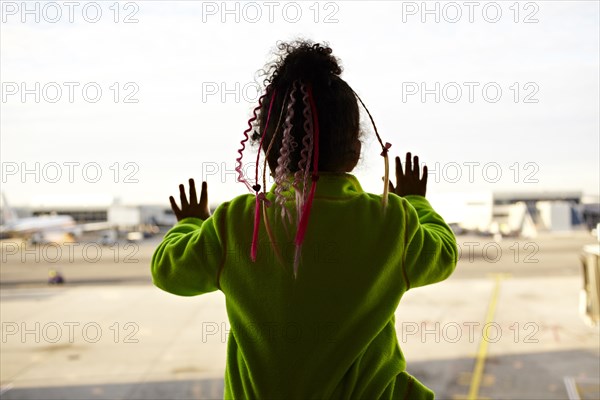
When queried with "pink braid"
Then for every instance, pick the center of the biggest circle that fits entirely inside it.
(263, 137)
(238, 161)
(259, 197)
(302, 225)
(272, 241)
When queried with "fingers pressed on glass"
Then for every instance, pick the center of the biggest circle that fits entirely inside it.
(174, 206)
(182, 196)
(408, 163)
(416, 169)
(193, 197)
(398, 171)
(204, 194)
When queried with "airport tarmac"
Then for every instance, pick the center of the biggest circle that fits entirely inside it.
(505, 325)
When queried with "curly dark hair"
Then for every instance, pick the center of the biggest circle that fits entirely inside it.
(337, 106)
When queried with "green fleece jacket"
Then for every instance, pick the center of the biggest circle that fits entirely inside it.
(329, 333)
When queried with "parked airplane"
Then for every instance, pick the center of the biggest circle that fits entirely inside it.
(43, 228)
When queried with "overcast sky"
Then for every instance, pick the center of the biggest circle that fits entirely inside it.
(517, 85)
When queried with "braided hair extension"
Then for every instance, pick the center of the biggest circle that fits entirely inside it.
(301, 175)
(262, 138)
(275, 135)
(303, 221)
(272, 240)
(287, 146)
(238, 161)
(260, 197)
(385, 148)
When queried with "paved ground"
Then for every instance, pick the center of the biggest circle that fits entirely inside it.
(501, 327)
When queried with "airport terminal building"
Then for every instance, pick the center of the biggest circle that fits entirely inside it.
(99, 208)
(528, 213)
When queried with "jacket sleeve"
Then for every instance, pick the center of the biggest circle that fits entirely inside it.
(188, 259)
(430, 249)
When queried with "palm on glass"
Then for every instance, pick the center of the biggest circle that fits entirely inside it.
(191, 208)
(409, 180)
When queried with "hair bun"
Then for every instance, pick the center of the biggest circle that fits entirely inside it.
(307, 60)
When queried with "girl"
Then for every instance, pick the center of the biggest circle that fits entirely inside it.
(314, 269)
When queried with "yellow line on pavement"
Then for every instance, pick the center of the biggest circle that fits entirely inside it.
(483, 343)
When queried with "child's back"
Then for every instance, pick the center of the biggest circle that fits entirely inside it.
(328, 332)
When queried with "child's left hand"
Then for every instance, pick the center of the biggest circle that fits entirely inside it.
(191, 208)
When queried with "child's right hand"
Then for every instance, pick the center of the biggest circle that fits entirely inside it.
(191, 208)
(409, 181)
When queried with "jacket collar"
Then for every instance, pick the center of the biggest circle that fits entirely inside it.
(332, 184)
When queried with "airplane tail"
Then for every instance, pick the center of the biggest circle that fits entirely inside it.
(8, 214)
